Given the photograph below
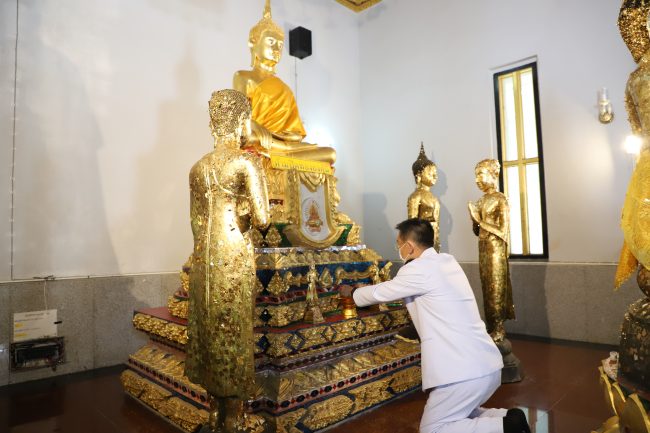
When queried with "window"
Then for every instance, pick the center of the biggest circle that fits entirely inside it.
(519, 141)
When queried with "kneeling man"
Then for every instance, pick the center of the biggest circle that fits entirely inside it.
(461, 365)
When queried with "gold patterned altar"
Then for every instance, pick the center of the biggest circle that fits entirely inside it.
(308, 376)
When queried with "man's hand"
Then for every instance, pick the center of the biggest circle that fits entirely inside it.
(346, 291)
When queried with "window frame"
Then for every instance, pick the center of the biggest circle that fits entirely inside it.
(520, 160)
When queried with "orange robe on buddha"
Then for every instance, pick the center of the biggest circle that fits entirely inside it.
(275, 108)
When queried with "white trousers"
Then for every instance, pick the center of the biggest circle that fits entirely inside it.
(455, 408)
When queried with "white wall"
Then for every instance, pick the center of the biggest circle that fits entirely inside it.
(426, 75)
(7, 66)
(112, 113)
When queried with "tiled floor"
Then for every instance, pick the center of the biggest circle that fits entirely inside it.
(560, 391)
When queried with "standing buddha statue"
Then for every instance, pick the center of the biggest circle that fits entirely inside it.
(422, 203)
(227, 190)
(276, 128)
(491, 222)
(636, 227)
(634, 349)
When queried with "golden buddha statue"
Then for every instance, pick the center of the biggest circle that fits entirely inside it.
(276, 128)
(422, 203)
(313, 313)
(185, 275)
(227, 195)
(491, 222)
(635, 30)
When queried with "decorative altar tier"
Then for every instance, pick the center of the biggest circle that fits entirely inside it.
(308, 375)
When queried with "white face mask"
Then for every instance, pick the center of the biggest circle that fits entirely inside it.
(399, 251)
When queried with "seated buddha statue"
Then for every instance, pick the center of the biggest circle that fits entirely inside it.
(276, 125)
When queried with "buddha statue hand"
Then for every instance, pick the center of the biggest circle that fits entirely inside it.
(260, 137)
(272, 142)
(288, 136)
(474, 212)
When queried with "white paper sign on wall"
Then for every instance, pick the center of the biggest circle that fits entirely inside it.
(35, 324)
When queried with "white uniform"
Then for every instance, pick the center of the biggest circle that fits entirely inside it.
(461, 365)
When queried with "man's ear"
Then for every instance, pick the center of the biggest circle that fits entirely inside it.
(412, 244)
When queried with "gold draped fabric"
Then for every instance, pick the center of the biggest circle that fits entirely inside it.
(635, 221)
(495, 280)
(222, 276)
(275, 108)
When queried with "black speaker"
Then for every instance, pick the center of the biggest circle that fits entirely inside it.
(300, 42)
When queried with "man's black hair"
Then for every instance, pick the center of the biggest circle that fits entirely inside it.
(417, 230)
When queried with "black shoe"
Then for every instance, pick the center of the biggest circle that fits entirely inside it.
(515, 422)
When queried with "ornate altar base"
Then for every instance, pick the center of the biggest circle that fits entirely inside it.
(309, 376)
(634, 349)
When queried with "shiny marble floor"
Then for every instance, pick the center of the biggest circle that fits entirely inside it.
(560, 392)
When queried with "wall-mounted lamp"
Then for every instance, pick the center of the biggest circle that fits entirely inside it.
(633, 144)
(605, 112)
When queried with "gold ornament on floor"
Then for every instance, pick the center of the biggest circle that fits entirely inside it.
(228, 196)
(628, 412)
(422, 203)
(491, 223)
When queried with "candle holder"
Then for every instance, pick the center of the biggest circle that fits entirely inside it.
(605, 111)
(348, 308)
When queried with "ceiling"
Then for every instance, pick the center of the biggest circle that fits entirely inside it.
(358, 5)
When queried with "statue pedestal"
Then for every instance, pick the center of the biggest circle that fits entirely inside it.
(309, 376)
(626, 378)
(634, 349)
(512, 371)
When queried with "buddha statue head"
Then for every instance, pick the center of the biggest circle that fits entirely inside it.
(266, 40)
(425, 171)
(230, 116)
(633, 25)
(487, 175)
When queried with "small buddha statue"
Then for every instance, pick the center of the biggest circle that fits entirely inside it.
(422, 203)
(313, 313)
(491, 223)
(276, 127)
(185, 275)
